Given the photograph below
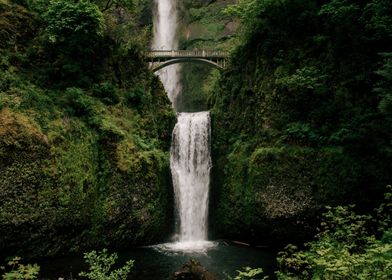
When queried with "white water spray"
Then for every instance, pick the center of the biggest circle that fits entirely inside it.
(165, 38)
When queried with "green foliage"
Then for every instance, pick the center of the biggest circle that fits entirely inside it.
(77, 162)
(107, 5)
(21, 272)
(307, 78)
(71, 39)
(80, 103)
(300, 133)
(345, 248)
(384, 86)
(249, 11)
(339, 10)
(107, 92)
(384, 213)
(203, 26)
(249, 273)
(16, 26)
(101, 266)
(136, 97)
(65, 19)
(300, 105)
(7, 80)
(246, 9)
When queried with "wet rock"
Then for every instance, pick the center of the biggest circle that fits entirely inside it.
(194, 271)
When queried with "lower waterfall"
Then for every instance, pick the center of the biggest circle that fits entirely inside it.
(190, 164)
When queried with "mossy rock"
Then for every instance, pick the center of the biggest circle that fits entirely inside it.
(277, 192)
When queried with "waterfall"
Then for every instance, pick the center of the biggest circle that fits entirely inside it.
(190, 164)
(165, 38)
(190, 160)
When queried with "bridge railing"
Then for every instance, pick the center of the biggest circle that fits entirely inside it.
(186, 53)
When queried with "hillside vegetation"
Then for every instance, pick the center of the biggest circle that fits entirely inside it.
(85, 129)
(302, 116)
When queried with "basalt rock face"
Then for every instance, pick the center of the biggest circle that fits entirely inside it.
(297, 123)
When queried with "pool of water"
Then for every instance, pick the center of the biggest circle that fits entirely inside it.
(159, 263)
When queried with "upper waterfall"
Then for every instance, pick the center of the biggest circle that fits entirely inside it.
(165, 38)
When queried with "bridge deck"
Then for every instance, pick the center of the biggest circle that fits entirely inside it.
(169, 54)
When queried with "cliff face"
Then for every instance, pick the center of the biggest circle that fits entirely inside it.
(84, 162)
(298, 120)
(204, 25)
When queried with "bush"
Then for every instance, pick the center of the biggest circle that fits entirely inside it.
(345, 248)
(301, 133)
(67, 18)
(249, 273)
(107, 92)
(20, 271)
(100, 266)
(136, 97)
(80, 104)
(7, 80)
(384, 86)
(72, 42)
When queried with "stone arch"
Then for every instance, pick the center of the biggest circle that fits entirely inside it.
(217, 64)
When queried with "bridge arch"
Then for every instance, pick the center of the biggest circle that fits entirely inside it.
(162, 58)
(164, 64)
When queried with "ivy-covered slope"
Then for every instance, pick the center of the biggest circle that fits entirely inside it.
(302, 116)
(85, 130)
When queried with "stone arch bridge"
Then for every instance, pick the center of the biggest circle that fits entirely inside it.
(161, 58)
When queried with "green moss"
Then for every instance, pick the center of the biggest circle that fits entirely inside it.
(280, 186)
(81, 164)
(295, 120)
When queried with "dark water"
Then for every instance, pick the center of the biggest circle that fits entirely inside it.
(151, 264)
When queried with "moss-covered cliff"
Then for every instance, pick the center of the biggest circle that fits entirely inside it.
(300, 117)
(85, 131)
(205, 26)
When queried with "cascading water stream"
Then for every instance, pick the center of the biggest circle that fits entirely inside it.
(190, 164)
(165, 38)
(190, 160)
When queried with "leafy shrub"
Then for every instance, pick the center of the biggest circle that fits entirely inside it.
(80, 104)
(107, 92)
(20, 271)
(345, 248)
(300, 133)
(306, 78)
(136, 97)
(249, 273)
(15, 24)
(7, 80)
(69, 18)
(384, 86)
(72, 38)
(100, 266)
